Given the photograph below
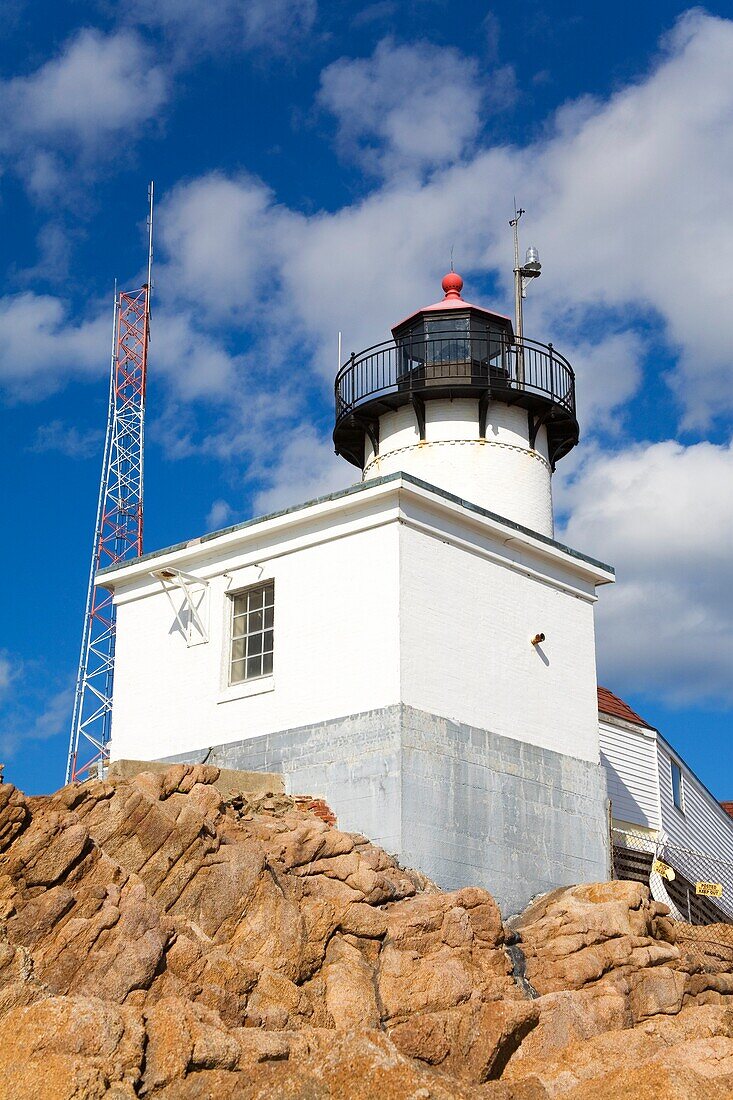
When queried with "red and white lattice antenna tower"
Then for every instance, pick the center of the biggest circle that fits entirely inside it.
(118, 532)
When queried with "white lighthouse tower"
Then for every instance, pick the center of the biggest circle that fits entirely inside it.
(459, 401)
(417, 649)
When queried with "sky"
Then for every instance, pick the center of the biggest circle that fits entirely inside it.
(314, 165)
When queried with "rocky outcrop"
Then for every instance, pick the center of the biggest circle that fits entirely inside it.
(160, 939)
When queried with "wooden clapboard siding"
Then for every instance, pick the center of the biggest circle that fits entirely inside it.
(629, 758)
(702, 826)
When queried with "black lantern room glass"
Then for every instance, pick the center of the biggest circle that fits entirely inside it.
(452, 347)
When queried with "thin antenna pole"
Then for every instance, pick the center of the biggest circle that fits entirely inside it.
(150, 242)
(338, 367)
(518, 318)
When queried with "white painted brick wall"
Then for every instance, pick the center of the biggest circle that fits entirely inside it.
(336, 651)
(389, 595)
(501, 473)
(466, 624)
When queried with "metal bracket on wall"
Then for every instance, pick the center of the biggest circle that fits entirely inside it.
(371, 427)
(535, 423)
(194, 591)
(483, 411)
(419, 406)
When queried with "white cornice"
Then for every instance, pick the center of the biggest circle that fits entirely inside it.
(371, 504)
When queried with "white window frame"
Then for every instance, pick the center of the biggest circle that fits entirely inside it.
(260, 632)
(675, 764)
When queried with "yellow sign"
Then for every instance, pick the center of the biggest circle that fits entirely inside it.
(663, 869)
(709, 889)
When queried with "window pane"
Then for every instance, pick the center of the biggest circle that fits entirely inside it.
(252, 633)
(677, 785)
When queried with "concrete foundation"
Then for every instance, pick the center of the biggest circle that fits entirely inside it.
(462, 804)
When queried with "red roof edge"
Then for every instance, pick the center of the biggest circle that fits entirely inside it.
(608, 703)
(728, 807)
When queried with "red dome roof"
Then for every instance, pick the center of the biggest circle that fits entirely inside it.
(452, 285)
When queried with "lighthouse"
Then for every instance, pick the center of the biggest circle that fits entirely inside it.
(459, 401)
(417, 649)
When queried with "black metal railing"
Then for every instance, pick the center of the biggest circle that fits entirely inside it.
(522, 371)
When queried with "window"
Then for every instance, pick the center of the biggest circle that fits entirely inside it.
(677, 785)
(252, 633)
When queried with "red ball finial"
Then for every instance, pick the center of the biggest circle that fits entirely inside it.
(452, 285)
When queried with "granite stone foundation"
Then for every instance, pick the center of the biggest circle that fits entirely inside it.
(462, 804)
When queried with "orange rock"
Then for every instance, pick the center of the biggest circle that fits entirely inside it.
(157, 940)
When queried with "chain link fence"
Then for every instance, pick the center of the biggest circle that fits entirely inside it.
(698, 886)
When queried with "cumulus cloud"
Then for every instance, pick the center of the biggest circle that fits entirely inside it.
(27, 712)
(306, 468)
(630, 203)
(41, 348)
(218, 515)
(9, 670)
(99, 87)
(627, 200)
(268, 26)
(194, 363)
(67, 439)
(415, 106)
(662, 513)
(34, 718)
(92, 89)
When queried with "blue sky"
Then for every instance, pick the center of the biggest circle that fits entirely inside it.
(314, 164)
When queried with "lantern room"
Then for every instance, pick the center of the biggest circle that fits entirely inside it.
(457, 399)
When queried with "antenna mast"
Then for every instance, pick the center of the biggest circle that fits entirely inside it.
(118, 532)
(531, 269)
(518, 295)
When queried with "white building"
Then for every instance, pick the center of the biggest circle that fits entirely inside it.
(660, 808)
(416, 649)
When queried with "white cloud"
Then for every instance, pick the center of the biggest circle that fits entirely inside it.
(9, 670)
(67, 439)
(415, 106)
(26, 714)
(305, 469)
(194, 363)
(662, 513)
(219, 515)
(232, 232)
(23, 721)
(269, 26)
(99, 85)
(627, 200)
(41, 349)
(99, 88)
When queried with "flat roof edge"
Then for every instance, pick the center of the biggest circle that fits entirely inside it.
(353, 490)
